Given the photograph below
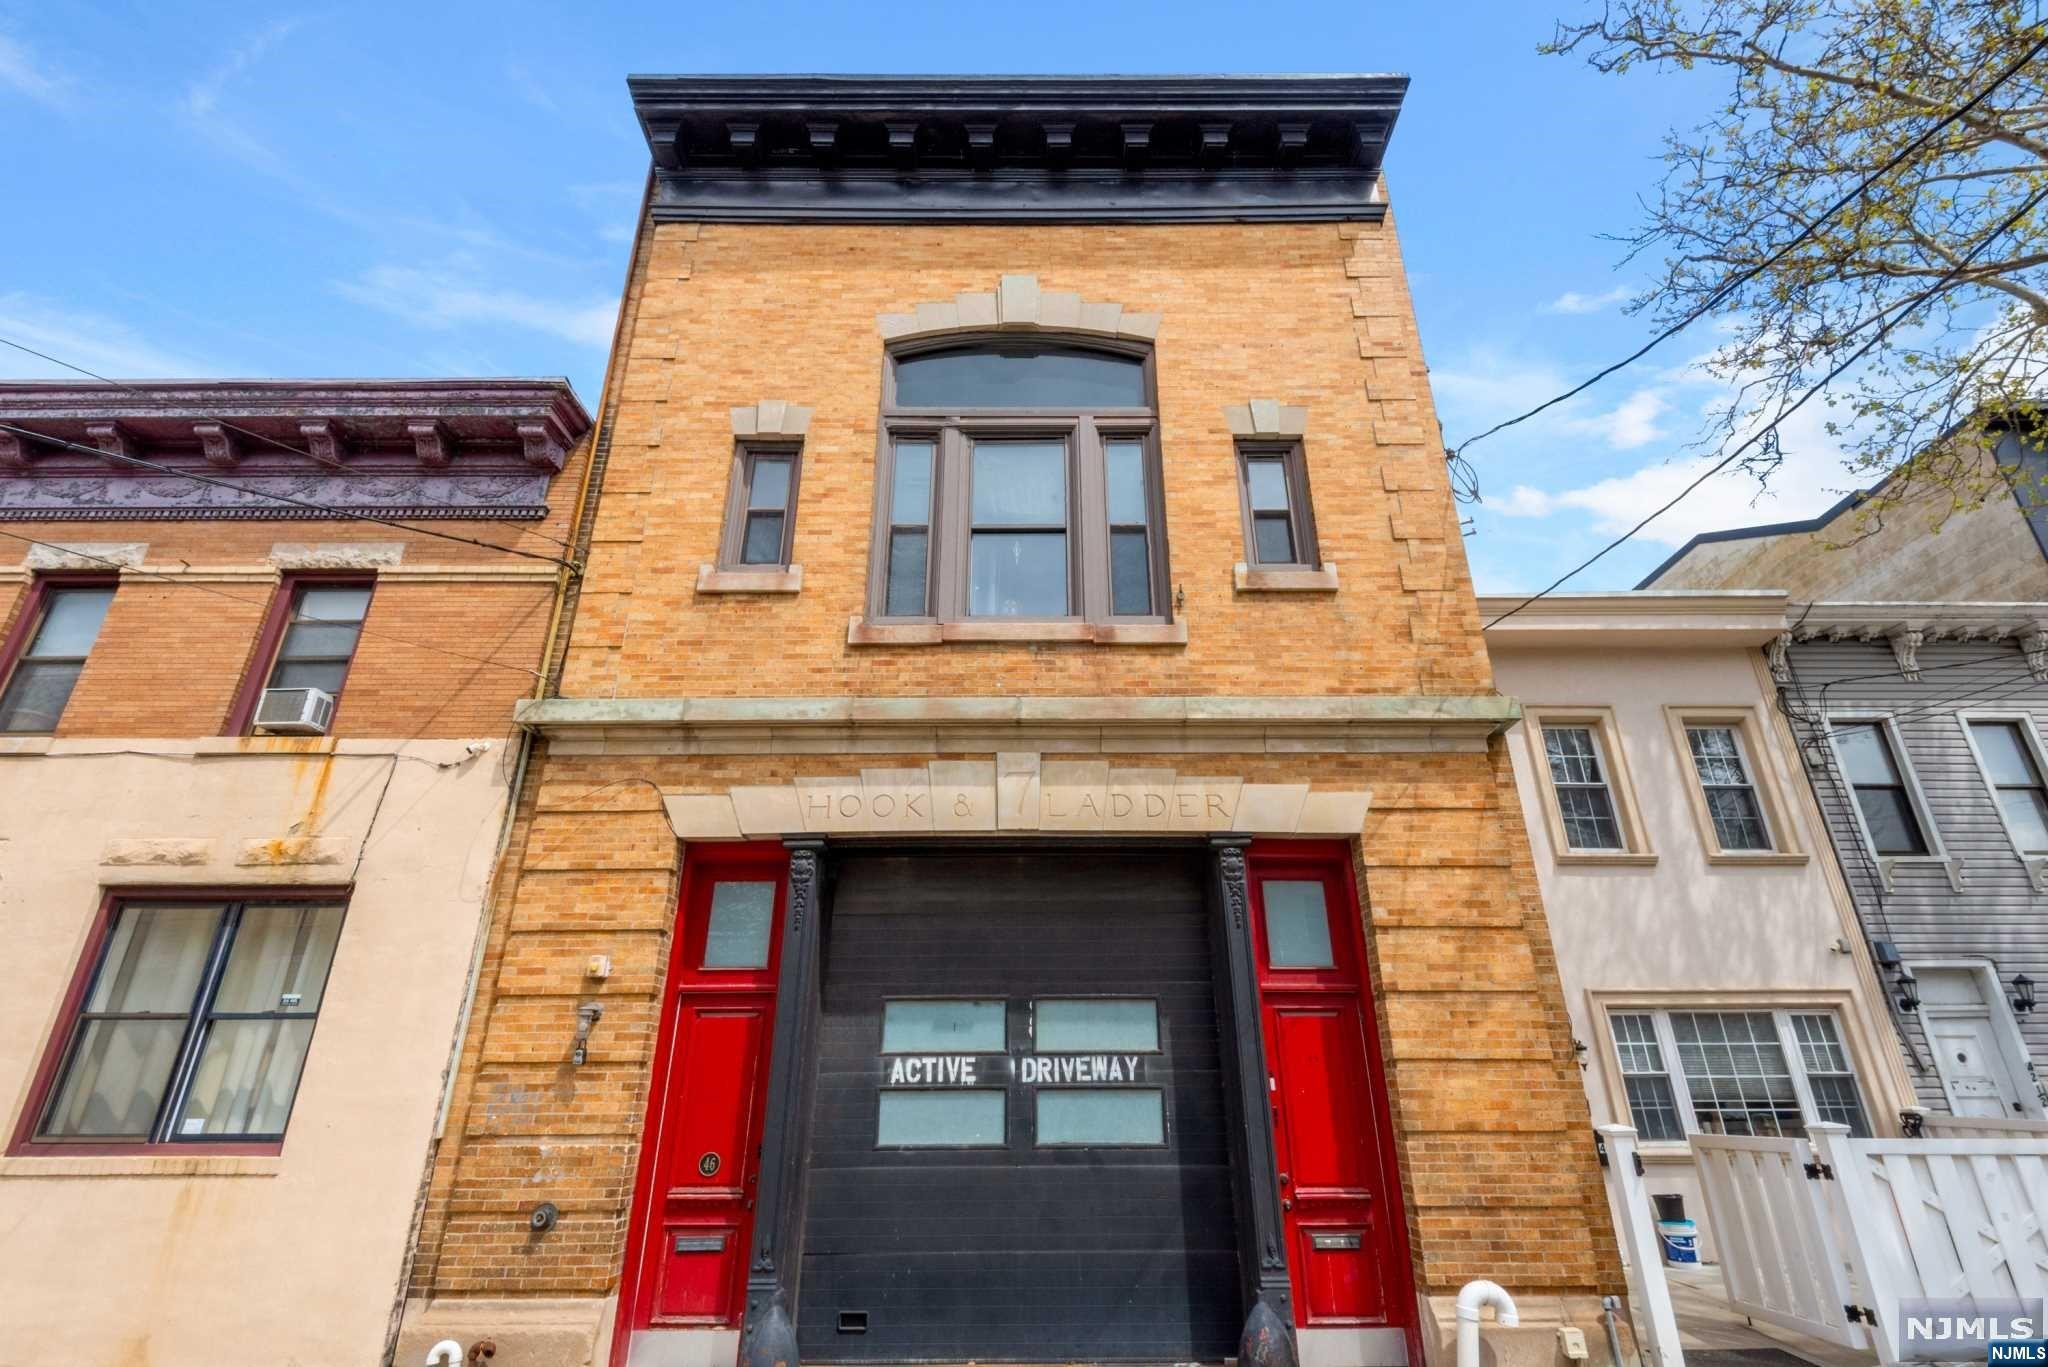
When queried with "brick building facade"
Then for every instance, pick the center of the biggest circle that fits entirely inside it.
(241, 940)
(1020, 556)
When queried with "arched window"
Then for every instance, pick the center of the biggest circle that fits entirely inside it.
(1019, 480)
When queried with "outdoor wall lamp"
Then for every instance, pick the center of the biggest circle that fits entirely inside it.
(588, 1014)
(2022, 994)
(1909, 991)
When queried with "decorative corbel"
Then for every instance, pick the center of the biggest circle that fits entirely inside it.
(431, 443)
(1906, 650)
(981, 143)
(1215, 142)
(13, 453)
(1059, 140)
(324, 441)
(1778, 655)
(544, 443)
(1137, 139)
(824, 136)
(2035, 644)
(903, 141)
(1293, 139)
(114, 439)
(222, 446)
(744, 136)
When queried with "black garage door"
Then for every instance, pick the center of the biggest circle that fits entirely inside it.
(1001, 1168)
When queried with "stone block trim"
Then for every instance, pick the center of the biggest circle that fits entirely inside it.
(1018, 304)
(771, 418)
(1266, 420)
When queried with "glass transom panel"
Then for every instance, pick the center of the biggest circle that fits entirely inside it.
(742, 915)
(1297, 924)
(1067, 378)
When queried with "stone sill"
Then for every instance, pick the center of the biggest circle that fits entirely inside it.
(1322, 579)
(1767, 860)
(861, 632)
(781, 579)
(1626, 860)
(143, 1165)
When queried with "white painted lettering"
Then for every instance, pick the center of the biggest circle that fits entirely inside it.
(896, 1072)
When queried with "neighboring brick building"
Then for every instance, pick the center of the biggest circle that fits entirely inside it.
(238, 956)
(1026, 632)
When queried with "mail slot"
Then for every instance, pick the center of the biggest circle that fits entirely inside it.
(700, 1243)
(1335, 1241)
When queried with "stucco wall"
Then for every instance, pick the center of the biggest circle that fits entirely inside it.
(1685, 930)
(143, 1261)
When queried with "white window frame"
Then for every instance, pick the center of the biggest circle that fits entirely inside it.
(1923, 811)
(1606, 733)
(1765, 779)
(1781, 1021)
(2036, 864)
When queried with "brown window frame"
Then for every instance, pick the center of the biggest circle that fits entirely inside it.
(953, 431)
(746, 456)
(1301, 518)
(28, 625)
(27, 1139)
(276, 621)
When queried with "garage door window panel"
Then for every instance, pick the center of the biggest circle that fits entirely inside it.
(962, 1118)
(1101, 1117)
(1081, 1025)
(943, 1027)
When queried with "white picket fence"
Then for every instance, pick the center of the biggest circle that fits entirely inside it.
(1832, 1251)
(1936, 1126)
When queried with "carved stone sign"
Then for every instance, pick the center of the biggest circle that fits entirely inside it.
(1017, 792)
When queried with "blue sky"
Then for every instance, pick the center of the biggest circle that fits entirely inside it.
(430, 189)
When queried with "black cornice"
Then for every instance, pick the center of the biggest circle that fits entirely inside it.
(1016, 148)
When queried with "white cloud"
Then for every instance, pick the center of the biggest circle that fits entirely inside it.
(1571, 301)
(202, 97)
(1810, 480)
(452, 295)
(22, 73)
(1630, 424)
(91, 341)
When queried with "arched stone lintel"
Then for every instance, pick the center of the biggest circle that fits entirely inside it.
(1017, 304)
(1266, 419)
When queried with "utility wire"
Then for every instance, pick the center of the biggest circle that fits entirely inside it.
(1884, 329)
(230, 426)
(257, 603)
(1720, 295)
(287, 498)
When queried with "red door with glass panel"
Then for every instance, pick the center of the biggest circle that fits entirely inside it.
(693, 1209)
(1340, 1199)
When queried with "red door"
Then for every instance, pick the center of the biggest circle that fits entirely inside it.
(1346, 1249)
(693, 1209)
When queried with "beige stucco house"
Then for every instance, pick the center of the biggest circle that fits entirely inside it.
(1712, 965)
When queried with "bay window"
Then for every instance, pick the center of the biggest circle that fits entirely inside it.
(1765, 1072)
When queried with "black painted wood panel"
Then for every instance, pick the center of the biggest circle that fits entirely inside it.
(1019, 1254)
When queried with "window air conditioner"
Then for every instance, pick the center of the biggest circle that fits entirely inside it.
(294, 711)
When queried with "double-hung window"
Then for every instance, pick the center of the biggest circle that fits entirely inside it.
(194, 1023)
(2006, 753)
(1585, 798)
(1890, 816)
(1020, 482)
(761, 517)
(1729, 786)
(1279, 532)
(315, 625)
(64, 621)
(1764, 1073)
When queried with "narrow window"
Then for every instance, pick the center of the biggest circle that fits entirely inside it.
(967, 1118)
(1278, 530)
(910, 531)
(1077, 1025)
(1130, 529)
(1101, 1117)
(741, 925)
(1297, 924)
(1828, 1075)
(2016, 781)
(1584, 799)
(1731, 795)
(1736, 1073)
(195, 1025)
(1881, 792)
(763, 521)
(320, 637)
(1651, 1106)
(48, 669)
(1018, 542)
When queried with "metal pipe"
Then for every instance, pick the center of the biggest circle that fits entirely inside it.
(446, 1353)
(1472, 1298)
(1608, 1305)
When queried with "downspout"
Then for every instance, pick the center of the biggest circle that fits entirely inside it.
(578, 547)
(1473, 1297)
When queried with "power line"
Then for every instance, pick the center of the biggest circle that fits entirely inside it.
(287, 498)
(255, 603)
(1720, 295)
(230, 426)
(1884, 329)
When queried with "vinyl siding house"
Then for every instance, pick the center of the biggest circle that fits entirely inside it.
(1919, 728)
